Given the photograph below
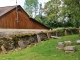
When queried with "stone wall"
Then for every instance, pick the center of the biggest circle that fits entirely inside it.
(23, 40)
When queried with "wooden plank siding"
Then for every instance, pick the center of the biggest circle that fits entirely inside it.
(24, 21)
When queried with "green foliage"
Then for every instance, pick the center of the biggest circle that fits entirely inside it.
(72, 10)
(51, 10)
(71, 30)
(60, 32)
(31, 6)
(39, 18)
(51, 7)
(42, 19)
(45, 51)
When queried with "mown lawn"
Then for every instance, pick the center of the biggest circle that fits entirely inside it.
(45, 51)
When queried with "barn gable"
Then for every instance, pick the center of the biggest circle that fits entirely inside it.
(8, 19)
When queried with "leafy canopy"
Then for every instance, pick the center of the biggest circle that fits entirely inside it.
(31, 6)
(72, 10)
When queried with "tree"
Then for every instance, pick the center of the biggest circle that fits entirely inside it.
(63, 16)
(51, 10)
(72, 9)
(31, 6)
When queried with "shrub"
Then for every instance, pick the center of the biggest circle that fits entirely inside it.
(60, 32)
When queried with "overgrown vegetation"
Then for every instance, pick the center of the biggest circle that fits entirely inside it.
(56, 13)
(45, 50)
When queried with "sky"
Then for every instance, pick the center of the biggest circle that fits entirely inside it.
(19, 2)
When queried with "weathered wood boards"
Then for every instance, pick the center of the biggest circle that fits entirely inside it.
(8, 19)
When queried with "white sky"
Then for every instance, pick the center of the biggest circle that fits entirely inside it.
(13, 2)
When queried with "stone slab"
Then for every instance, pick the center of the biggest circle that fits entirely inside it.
(3, 49)
(21, 44)
(55, 37)
(78, 42)
(70, 49)
(38, 38)
(60, 46)
(68, 43)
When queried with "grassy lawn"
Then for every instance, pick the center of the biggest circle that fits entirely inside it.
(45, 51)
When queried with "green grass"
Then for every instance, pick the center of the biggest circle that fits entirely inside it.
(45, 51)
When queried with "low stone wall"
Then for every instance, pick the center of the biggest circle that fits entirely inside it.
(22, 40)
(67, 31)
(7, 43)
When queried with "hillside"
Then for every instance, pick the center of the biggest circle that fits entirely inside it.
(45, 50)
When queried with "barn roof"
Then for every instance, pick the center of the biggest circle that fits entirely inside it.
(7, 9)
(4, 10)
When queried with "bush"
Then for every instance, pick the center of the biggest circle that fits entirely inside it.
(72, 31)
(60, 32)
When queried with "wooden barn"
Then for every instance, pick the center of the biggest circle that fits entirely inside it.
(12, 18)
